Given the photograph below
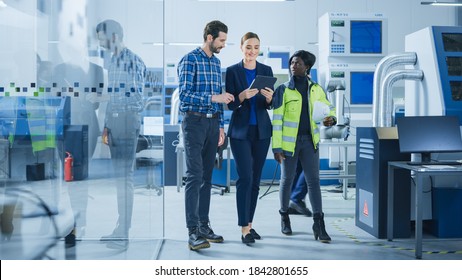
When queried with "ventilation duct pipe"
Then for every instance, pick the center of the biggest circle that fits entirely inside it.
(385, 110)
(384, 66)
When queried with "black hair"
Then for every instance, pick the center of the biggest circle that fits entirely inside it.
(110, 27)
(308, 58)
(214, 28)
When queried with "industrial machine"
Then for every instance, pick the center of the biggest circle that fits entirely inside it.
(19, 114)
(431, 69)
(34, 128)
(439, 56)
(350, 46)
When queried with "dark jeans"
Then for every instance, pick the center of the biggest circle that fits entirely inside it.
(309, 159)
(249, 156)
(299, 187)
(200, 137)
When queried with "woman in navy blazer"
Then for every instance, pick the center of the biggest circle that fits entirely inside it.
(249, 130)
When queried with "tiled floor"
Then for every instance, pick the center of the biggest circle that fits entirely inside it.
(158, 228)
(348, 241)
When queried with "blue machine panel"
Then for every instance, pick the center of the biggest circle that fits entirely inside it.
(18, 112)
(448, 44)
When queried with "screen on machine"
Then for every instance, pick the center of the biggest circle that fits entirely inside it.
(366, 36)
(362, 84)
(452, 42)
(429, 134)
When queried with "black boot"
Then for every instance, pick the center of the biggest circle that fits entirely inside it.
(319, 228)
(206, 232)
(285, 223)
(300, 208)
(196, 241)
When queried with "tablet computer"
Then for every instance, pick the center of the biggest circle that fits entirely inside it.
(263, 81)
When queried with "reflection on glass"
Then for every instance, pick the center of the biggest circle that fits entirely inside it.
(56, 58)
(126, 74)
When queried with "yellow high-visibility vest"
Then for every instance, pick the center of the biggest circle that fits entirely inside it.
(287, 102)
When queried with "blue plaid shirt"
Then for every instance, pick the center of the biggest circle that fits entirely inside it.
(126, 82)
(199, 78)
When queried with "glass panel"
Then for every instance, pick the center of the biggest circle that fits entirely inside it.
(63, 85)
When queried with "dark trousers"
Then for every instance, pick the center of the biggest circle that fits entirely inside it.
(200, 137)
(249, 156)
(309, 159)
(299, 187)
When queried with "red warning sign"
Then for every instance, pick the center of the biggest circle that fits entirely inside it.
(365, 209)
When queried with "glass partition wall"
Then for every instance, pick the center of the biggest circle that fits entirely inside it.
(88, 86)
(81, 116)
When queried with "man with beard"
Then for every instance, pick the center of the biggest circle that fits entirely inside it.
(201, 102)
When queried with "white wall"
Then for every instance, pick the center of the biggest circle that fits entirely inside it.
(292, 23)
(282, 24)
(17, 50)
(279, 24)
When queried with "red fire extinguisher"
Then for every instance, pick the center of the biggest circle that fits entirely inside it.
(68, 163)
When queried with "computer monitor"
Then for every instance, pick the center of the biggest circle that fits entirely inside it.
(429, 134)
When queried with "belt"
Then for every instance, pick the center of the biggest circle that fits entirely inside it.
(208, 116)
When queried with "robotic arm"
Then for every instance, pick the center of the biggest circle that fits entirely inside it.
(336, 90)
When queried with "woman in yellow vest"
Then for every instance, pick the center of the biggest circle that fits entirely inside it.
(296, 137)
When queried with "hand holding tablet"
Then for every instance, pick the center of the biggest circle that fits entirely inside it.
(261, 82)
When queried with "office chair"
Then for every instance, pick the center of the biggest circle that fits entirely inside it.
(145, 151)
(149, 150)
(219, 164)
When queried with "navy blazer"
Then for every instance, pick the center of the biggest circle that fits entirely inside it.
(236, 82)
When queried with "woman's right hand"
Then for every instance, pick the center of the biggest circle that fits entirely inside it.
(247, 94)
(279, 157)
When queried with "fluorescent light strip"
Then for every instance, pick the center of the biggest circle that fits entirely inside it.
(177, 44)
(184, 44)
(245, 0)
(171, 44)
(153, 43)
(446, 4)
